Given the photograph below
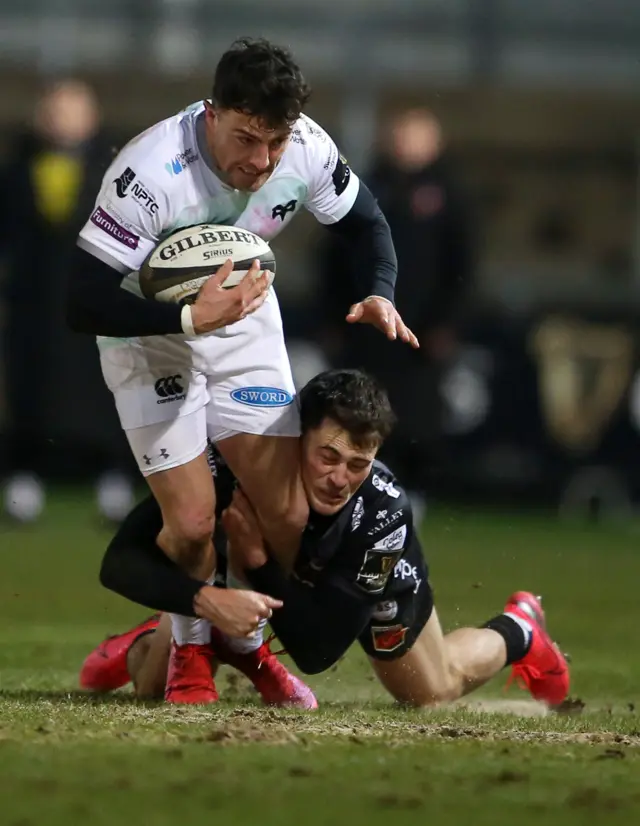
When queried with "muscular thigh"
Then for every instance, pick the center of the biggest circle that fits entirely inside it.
(421, 674)
(250, 385)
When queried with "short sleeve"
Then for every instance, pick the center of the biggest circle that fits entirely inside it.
(128, 217)
(333, 184)
(382, 537)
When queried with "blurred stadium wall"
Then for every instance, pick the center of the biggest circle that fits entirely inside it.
(541, 106)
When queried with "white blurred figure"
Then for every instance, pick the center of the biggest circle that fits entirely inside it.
(24, 498)
(114, 496)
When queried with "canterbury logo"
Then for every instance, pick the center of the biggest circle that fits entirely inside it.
(281, 210)
(169, 387)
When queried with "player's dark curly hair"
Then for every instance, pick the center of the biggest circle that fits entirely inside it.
(351, 398)
(261, 79)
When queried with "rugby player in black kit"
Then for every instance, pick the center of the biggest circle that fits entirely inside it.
(360, 575)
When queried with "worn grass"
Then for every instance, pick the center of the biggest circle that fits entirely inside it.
(66, 758)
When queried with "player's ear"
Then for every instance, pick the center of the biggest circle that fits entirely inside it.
(210, 109)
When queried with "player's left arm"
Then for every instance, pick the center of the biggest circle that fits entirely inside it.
(316, 624)
(343, 203)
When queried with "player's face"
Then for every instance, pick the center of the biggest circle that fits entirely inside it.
(333, 467)
(243, 148)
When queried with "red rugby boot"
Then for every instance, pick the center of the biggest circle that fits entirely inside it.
(105, 669)
(190, 678)
(543, 670)
(274, 682)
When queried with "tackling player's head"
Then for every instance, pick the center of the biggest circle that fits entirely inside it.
(258, 94)
(345, 417)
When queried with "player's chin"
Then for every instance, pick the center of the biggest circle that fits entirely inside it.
(248, 183)
(328, 506)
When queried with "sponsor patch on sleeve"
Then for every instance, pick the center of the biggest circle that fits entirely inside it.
(376, 570)
(393, 541)
(107, 223)
(341, 175)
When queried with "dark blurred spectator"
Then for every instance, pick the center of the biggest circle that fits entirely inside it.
(430, 222)
(61, 423)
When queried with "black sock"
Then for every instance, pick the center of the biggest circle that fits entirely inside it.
(518, 643)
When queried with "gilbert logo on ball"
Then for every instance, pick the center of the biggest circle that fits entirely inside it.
(181, 263)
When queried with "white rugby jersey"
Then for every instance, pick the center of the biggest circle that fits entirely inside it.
(164, 180)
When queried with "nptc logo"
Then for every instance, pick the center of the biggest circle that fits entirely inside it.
(124, 182)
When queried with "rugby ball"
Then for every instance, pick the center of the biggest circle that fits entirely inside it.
(182, 262)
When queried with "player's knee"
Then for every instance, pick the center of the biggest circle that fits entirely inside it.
(446, 689)
(420, 685)
(186, 535)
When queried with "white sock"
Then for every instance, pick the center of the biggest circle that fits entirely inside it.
(191, 630)
(244, 645)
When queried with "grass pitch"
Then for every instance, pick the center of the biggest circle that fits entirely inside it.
(66, 758)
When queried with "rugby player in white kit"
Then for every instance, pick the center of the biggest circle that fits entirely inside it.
(248, 158)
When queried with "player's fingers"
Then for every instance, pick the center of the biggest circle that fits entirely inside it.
(251, 277)
(272, 603)
(253, 286)
(387, 323)
(260, 285)
(355, 312)
(264, 611)
(404, 333)
(254, 268)
(413, 339)
(254, 304)
(223, 273)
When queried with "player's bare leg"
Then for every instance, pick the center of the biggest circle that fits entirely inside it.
(439, 669)
(186, 497)
(442, 668)
(148, 661)
(268, 470)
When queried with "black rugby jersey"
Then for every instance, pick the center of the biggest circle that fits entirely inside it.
(357, 549)
(348, 565)
(356, 569)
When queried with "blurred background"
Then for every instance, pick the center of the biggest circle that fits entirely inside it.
(502, 139)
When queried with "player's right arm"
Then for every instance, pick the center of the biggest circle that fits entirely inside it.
(122, 230)
(136, 568)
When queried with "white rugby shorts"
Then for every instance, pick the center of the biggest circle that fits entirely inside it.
(172, 392)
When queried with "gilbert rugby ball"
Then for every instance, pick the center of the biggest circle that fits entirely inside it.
(182, 262)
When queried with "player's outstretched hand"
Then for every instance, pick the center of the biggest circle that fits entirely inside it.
(217, 307)
(382, 314)
(234, 612)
